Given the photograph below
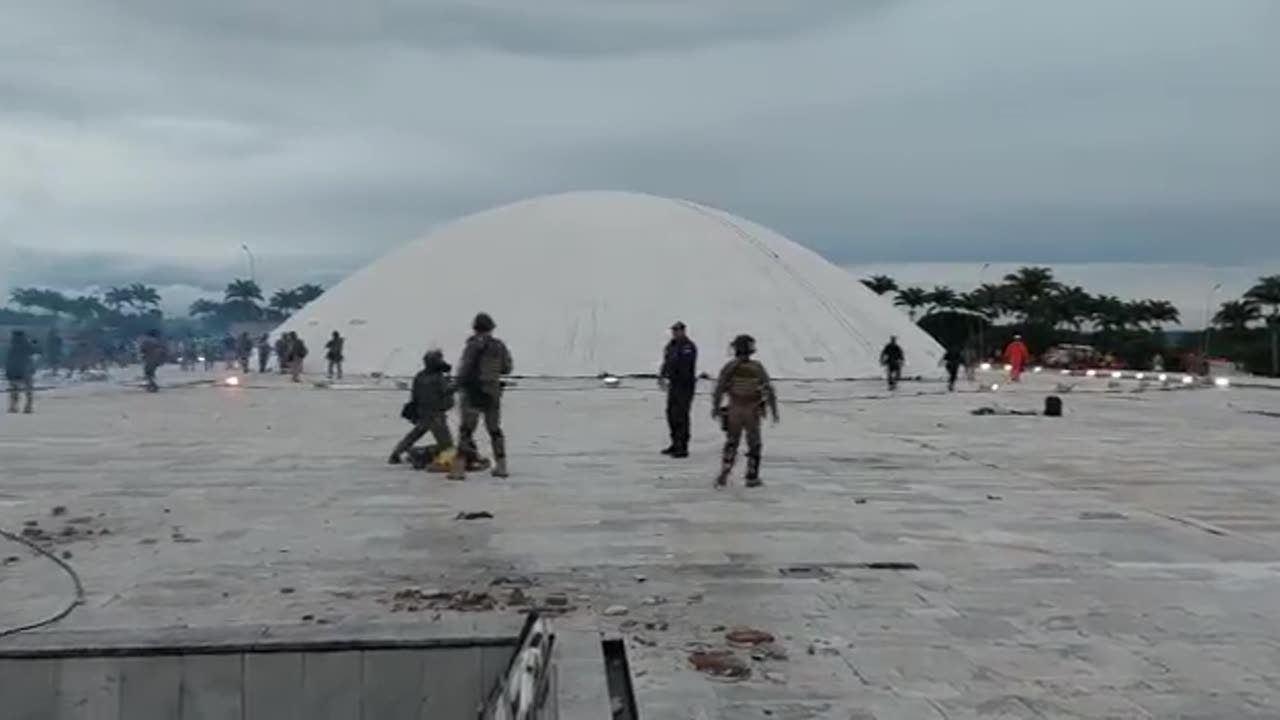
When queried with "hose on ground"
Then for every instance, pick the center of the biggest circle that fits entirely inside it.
(71, 573)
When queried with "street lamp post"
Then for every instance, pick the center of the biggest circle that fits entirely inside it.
(1208, 326)
(253, 272)
(982, 346)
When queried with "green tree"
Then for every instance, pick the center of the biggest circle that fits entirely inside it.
(1267, 292)
(240, 301)
(204, 308)
(942, 298)
(143, 296)
(912, 298)
(1236, 315)
(307, 293)
(117, 297)
(51, 301)
(1027, 288)
(880, 284)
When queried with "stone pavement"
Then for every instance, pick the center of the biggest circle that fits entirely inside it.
(1119, 562)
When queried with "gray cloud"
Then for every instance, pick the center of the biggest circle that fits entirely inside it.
(154, 138)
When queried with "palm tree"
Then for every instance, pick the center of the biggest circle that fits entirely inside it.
(912, 298)
(117, 297)
(241, 300)
(942, 298)
(307, 292)
(1109, 312)
(987, 299)
(1237, 314)
(1267, 292)
(86, 307)
(1027, 287)
(244, 290)
(880, 284)
(1160, 312)
(285, 302)
(143, 296)
(50, 301)
(204, 308)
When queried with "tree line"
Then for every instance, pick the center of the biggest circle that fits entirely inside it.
(1033, 302)
(135, 308)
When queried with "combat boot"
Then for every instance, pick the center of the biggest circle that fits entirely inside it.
(680, 451)
(458, 467)
(499, 467)
(753, 471)
(669, 450)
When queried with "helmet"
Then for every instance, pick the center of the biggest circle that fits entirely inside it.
(744, 345)
(483, 323)
(434, 359)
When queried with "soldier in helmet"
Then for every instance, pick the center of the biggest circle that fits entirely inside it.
(746, 384)
(485, 360)
(431, 399)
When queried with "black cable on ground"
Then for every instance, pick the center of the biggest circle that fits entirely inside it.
(71, 573)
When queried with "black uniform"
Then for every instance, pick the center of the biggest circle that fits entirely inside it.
(892, 358)
(680, 371)
(952, 361)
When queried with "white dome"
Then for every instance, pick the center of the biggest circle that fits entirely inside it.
(587, 283)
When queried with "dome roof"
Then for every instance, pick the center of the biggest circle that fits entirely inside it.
(588, 283)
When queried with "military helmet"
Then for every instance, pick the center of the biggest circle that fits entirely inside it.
(744, 345)
(483, 323)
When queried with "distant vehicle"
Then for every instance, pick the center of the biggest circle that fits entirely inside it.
(1072, 356)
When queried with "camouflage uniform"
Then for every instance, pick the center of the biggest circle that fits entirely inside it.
(432, 398)
(485, 359)
(749, 390)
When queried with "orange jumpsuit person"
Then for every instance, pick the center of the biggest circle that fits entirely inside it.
(1016, 354)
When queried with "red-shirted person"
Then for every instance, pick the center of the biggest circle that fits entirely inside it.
(1016, 354)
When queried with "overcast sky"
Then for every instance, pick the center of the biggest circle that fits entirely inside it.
(148, 139)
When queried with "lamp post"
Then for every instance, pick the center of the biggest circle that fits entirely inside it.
(982, 320)
(253, 273)
(1208, 329)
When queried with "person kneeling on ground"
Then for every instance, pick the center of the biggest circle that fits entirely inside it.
(431, 399)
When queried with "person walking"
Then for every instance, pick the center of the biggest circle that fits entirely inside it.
(20, 371)
(892, 358)
(153, 356)
(429, 402)
(282, 352)
(297, 354)
(952, 359)
(679, 377)
(333, 353)
(1016, 355)
(485, 360)
(746, 385)
(244, 351)
(264, 354)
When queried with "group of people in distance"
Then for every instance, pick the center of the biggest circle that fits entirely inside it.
(1016, 357)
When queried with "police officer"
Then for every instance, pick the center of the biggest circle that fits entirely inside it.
(746, 384)
(679, 376)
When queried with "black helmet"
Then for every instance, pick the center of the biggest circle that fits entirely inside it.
(434, 360)
(744, 345)
(483, 323)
